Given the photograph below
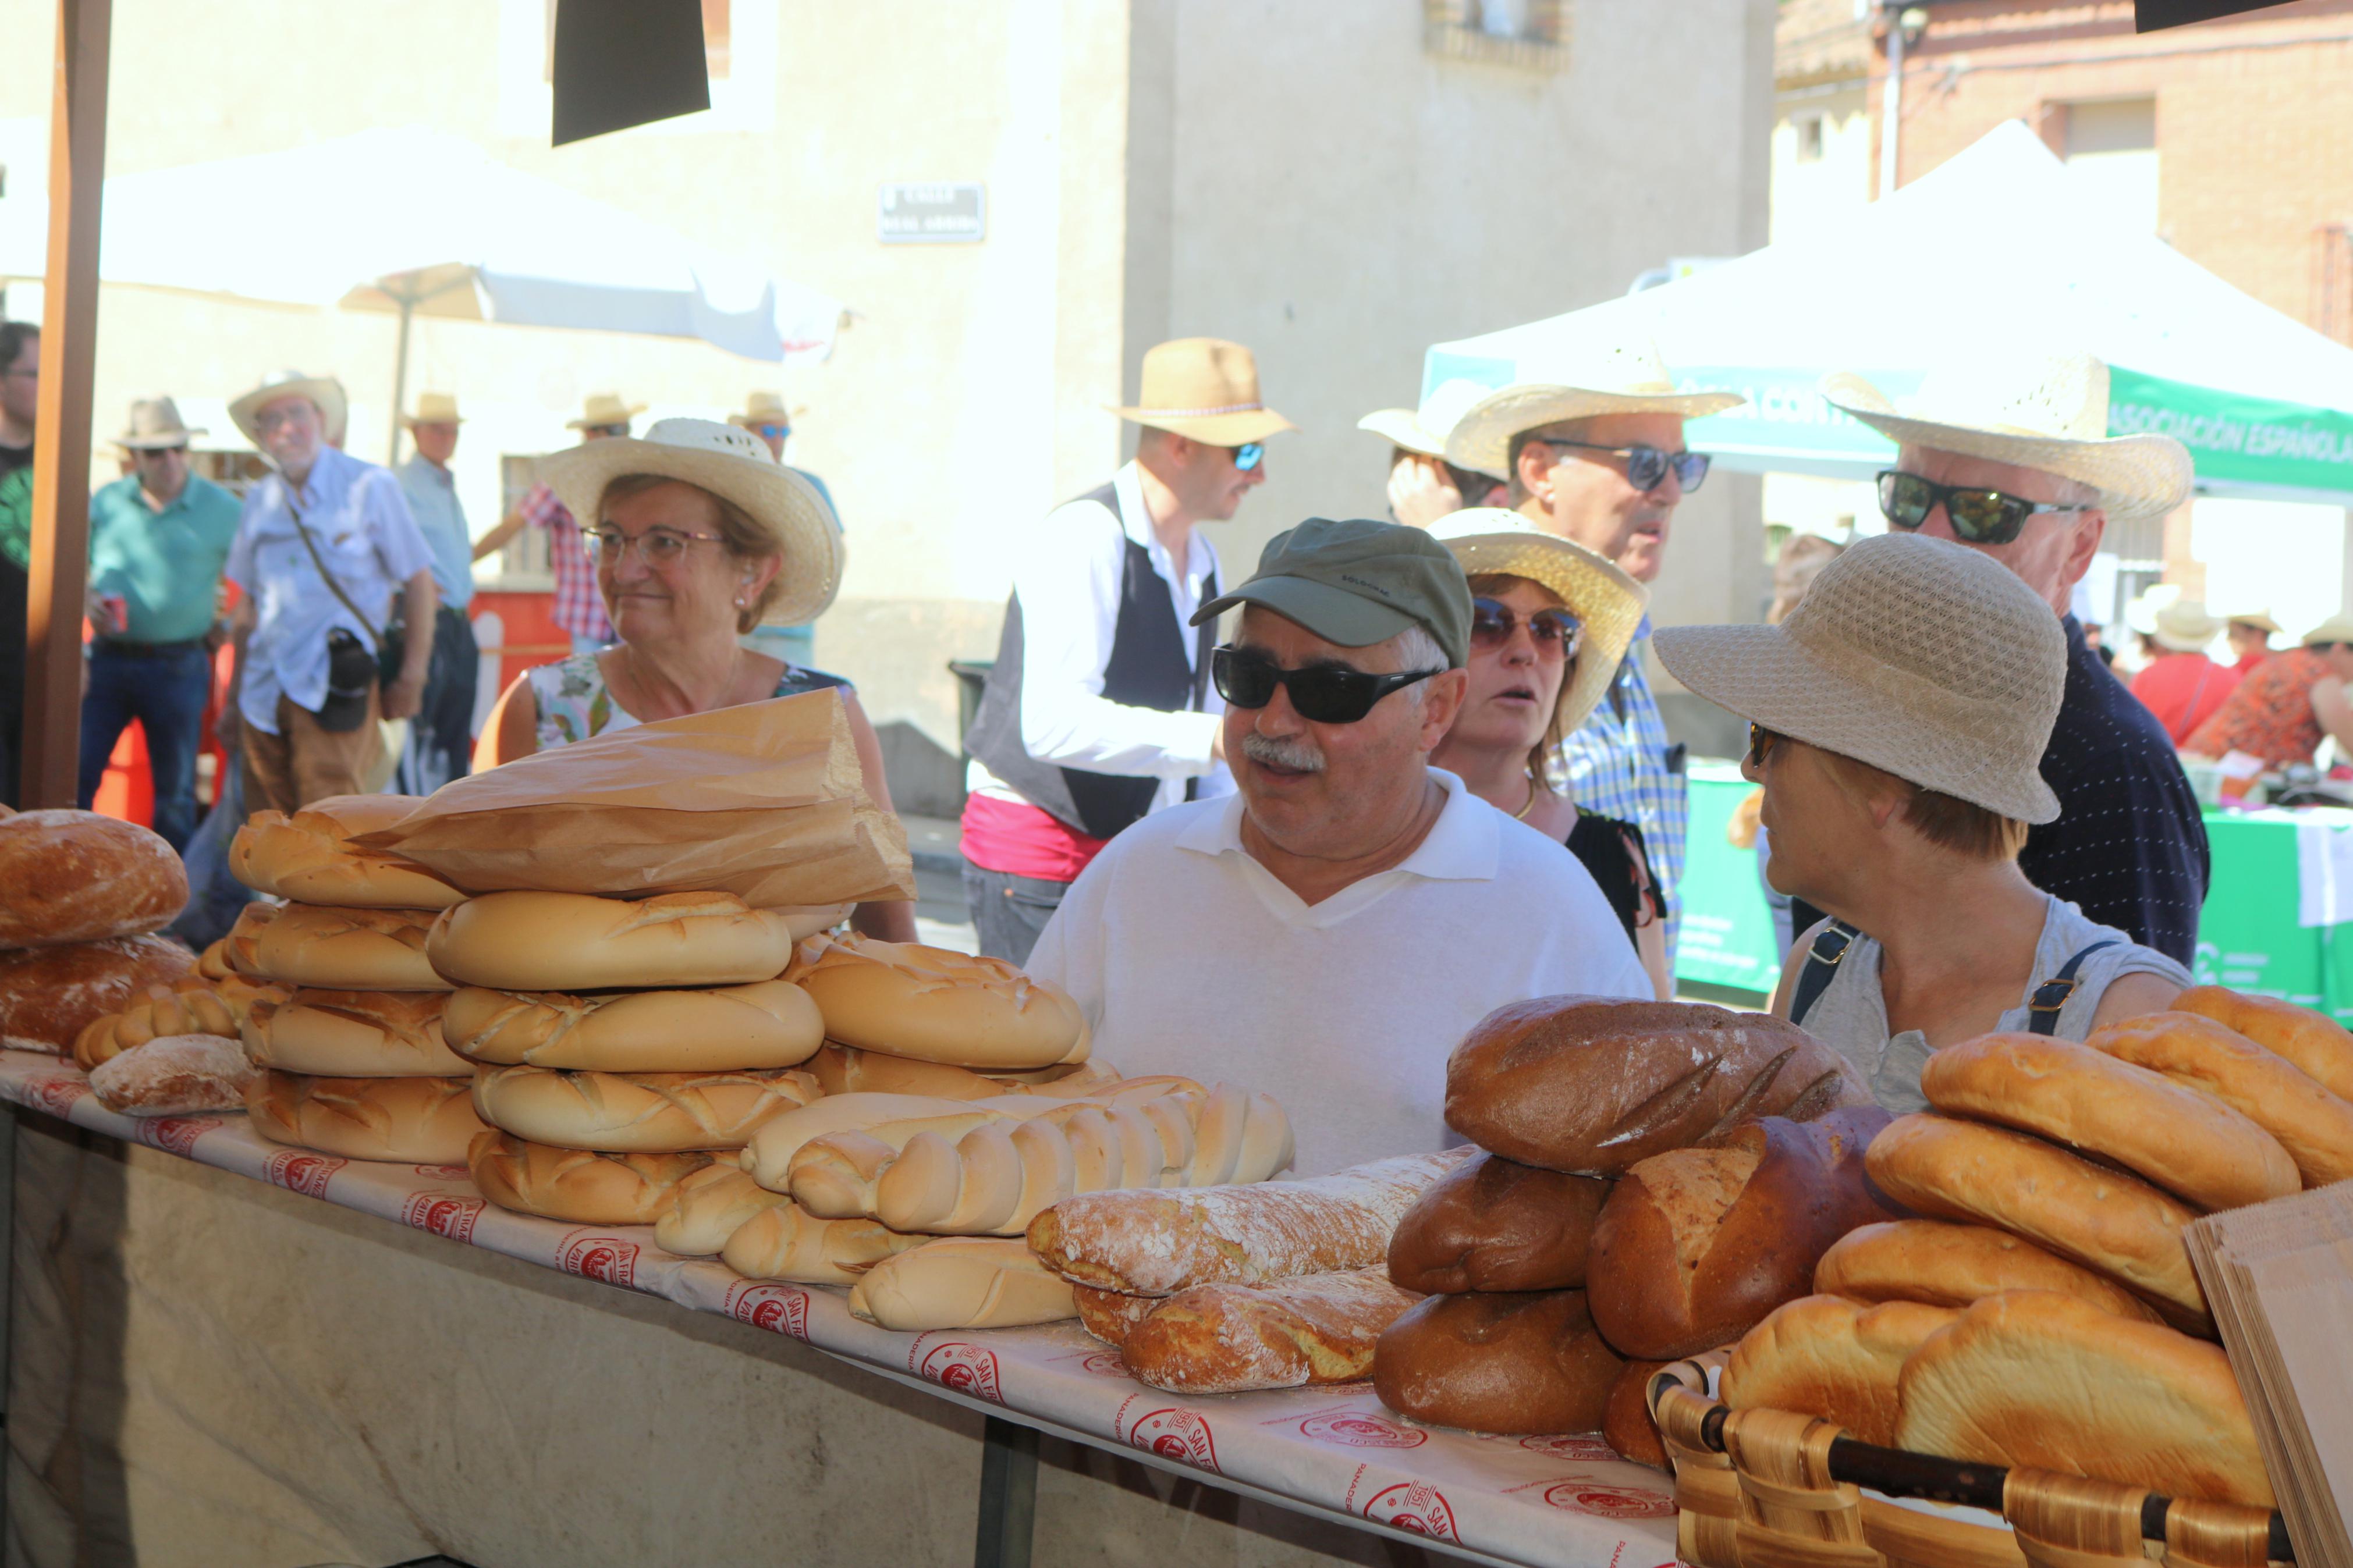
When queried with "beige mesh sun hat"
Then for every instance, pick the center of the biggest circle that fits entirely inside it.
(2048, 411)
(1609, 603)
(1599, 374)
(1924, 658)
(1425, 429)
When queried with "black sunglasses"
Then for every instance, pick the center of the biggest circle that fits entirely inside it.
(1552, 630)
(1980, 516)
(1760, 741)
(1646, 466)
(1323, 694)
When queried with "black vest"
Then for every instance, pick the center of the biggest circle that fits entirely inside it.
(1146, 670)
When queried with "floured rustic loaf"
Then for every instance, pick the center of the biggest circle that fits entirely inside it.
(1229, 1339)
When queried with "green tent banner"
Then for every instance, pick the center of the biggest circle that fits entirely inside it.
(2252, 439)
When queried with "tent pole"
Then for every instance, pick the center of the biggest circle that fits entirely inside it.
(400, 381)
(1891, 103)
(59, 574)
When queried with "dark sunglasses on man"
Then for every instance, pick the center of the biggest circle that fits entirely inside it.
(1980, 516)
(1646, 466)
(1322, 694)
(1554, 631)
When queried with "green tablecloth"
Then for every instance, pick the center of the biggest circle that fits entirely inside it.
(2250, 935)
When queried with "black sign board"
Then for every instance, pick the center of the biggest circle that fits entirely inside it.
(2150, 15)
(619, 63)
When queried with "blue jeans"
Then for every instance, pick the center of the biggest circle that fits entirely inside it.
(166, 693)
(1008, 913)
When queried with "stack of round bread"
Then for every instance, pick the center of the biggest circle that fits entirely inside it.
(351, 1052)
(619, 1046)
(82, 895)
(2043, 1310)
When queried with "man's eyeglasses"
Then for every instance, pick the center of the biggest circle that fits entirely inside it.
(1247, 455)
(655, 546)
(1980, 516)
(1646, 466)
(1323, 694)
(1760, 741)
(1554, 631)
(270, 420)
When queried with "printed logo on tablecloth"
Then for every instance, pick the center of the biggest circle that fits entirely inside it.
(1360, 1429)
(1609, 1502)
(444, 1173)
(1176, 1433)
(604, 1258)
(959, 1368)
(302, 1171)
(174, 1135)
(1580, 1447)
(442, 1214)
(1105, 1363)
(56, 1094)
(778, 1309)
(1413, 1506)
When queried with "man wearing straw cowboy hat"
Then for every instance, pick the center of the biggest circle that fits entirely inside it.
(1423, 486)
(578, 608)
(159, 539)
(2010, 455)
(2251, 638)
(1596, 455)
(2180, 684)
(324, 550)
(441, 742)
(1099, 709)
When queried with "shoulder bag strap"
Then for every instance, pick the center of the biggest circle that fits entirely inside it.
(374, 632)
(1822, 966)
(2043, 1008)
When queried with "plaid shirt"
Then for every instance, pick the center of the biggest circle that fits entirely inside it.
(1615, 764)
(579, 608)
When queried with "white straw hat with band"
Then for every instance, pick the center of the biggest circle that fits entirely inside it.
(2259, 619)
(728, 461)
(155, 425)
(600, 410)
(2184, 626)
(434, 408)
(767, 408)
(1205, 389)
(326, 392)
(1607, 603)
(1425, 429)
(1924, 658)
(2336, 628)
(1600, 374)
(2047, 412)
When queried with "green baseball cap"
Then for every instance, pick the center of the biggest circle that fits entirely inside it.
(1356, 582)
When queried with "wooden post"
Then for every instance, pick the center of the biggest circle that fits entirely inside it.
(60, 562)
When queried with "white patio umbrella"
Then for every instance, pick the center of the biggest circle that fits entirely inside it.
(453, 233)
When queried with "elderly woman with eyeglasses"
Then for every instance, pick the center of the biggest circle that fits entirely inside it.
(1549, 621)
(1897, 721)
(698, 536)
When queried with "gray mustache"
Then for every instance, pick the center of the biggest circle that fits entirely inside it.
(1301, 756)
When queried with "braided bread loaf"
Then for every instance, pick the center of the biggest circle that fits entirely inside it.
(219, 1008)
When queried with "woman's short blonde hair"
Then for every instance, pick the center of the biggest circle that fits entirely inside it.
(746, 539)
(1947, 821)
(1556, 727)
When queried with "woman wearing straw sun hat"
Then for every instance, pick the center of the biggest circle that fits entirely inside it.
(2180, 684)
(698, 535)
(1897, 719)
(1549, 621)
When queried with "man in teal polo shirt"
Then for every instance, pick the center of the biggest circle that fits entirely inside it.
(158, 541)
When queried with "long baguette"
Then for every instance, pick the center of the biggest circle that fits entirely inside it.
(1158, 1243)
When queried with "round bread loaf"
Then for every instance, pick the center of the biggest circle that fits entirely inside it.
(185, 1009)
(1491, 1223)
(1626, 1423)
(1497, 1361)
(76, 876)
(575, 1184)
(240, 949)
(1948, 1265)
(49, 996)
(768, 1024)
(308, 857)
(1827, 1356)
(344, 949)
(2322, 1047)
(2036, 1378)
(2312, 1124)
(174, 1075)
(712, 1204)
(907, 1000)
(2184, 1141)
(422, 1120)
(354, 1034)
(843, 1070)
(787, 1242)
(577, 942)
(638, 1113)
(2118, 1223)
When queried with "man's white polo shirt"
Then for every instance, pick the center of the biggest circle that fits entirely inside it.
(1189, 957)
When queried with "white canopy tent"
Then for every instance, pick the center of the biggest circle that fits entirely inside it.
(1996, 245)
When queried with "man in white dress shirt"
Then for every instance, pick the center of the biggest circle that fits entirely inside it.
(1329, 934)
(1098, 711)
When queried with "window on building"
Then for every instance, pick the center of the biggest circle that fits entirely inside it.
(2111, 149)
(1533, 33)
(715, 40)
(1810, 139)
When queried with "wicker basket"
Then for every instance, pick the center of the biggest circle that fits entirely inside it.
(1760, 1488)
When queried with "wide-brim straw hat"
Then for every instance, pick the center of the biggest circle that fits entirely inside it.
(1588, 378)
(764, 406)
(1425, 429)
(2048, 411)
(1924, 658)
(2184, 626)
(2335, 629)
(731, 462)
(1205, 389)
(326, 392)
(155, 423)
(603, 408)
(1604, 600)
(434, 408)
(2259, 619)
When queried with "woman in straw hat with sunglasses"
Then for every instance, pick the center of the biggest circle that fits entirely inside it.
(699, 535)
(1550, 622)
(1896, 720)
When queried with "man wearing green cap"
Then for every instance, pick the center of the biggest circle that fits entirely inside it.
(1328, 934)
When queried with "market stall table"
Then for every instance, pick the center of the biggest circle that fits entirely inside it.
(1330, 1453)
